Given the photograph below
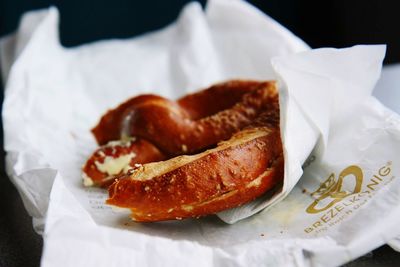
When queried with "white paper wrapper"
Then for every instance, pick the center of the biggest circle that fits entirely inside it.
(55, 95)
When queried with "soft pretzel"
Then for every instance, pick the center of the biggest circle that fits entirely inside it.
(233, 173)
(229, 134)
(164, 128)
(117, 157)
(193, 106)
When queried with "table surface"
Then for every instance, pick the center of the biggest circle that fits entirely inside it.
(19, 244)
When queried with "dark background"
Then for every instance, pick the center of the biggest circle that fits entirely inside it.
(336, 23)
(319, 23)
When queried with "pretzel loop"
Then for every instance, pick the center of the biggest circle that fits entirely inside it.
(206, 152)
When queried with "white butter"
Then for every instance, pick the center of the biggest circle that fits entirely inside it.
(87, 181)
(113, 166)
(124, 142)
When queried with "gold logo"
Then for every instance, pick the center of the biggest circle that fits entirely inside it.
(331, 192)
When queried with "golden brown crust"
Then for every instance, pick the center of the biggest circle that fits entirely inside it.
(234, 173)
(109, 127)
(169, 128)
(191, 107)
(216, 98)
(166, 128)
(238, 122)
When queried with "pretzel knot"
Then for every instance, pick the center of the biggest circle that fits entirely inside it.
(206, 152)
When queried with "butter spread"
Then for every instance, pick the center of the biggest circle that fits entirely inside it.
(113, 166)
(87, 181)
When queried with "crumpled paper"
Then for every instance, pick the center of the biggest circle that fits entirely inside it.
(345, 140)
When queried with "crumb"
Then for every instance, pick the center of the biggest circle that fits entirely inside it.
(304, 191)
(262, 234)
(126, 224)
(73, 135)
(184, 148)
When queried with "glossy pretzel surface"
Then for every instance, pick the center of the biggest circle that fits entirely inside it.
(206, 152)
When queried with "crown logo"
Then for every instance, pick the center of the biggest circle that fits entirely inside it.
(330, 191)
(325, 187)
